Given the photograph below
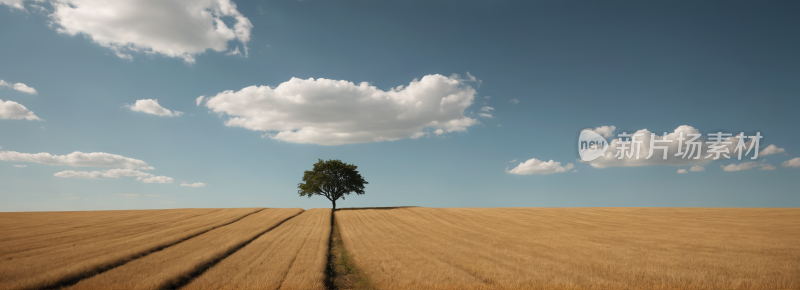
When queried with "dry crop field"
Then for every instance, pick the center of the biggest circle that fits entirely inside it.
(292, 256)
(403, 248)
(575, 248)
(40, 250)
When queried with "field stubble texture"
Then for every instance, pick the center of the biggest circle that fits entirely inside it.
(46, 249)
(170, 266)
(575, 248)
(291, 256)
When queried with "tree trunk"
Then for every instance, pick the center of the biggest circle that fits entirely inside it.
(334, 204)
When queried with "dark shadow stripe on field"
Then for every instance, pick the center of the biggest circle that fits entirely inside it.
(183, 281)
(69, 281)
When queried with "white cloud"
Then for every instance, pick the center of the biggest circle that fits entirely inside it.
(14, 3)
(20, 166)
(794, 163)
(771, 149)
(512, 161)
(200, 100)
(69, 196)
(151, 106)
(234, 52)
(472, 78)
(38, 8)
(515, 101)
(335, 112)
(768, 167)
(746, 166)
(173, 28)
(697, 168)
(19, 87)
(156, 179)
(196, 184)
(610, 160)
(682, 171)
(486, 112)
(94, 159)
(111, 173)
(14, 111)
(115, 173)
(536, 166)
(128, 194)
(605, 131)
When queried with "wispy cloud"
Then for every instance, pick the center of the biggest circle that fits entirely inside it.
(793, 163)
(151, 106)
(78, 159)
(19, 87)
(771, 149)
(196, 184)
(536, 166)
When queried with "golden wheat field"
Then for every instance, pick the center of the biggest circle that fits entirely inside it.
(168, 267)
(575, 248)
(293, 256)
(40, 250)
(403, 248)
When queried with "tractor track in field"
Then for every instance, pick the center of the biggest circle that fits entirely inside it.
(183, 281)
(69, 281)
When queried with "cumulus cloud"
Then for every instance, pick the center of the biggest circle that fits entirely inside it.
(746, 166)
(697, 168)
(14, 111)
(200, 100)
(687, 153)
(794, 163)
(19, 87)
(605, 131)
(151, 106)
(682, 171)
(173, 28)
(80, 159)
(335, 112)
(20, 166)
(771, 149)
(196, 184)
(536, 166)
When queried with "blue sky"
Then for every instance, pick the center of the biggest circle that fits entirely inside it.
(547, 70)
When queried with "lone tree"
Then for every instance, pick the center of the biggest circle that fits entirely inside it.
(332, 179)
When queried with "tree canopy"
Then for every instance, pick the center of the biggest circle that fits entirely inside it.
(332, 179)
